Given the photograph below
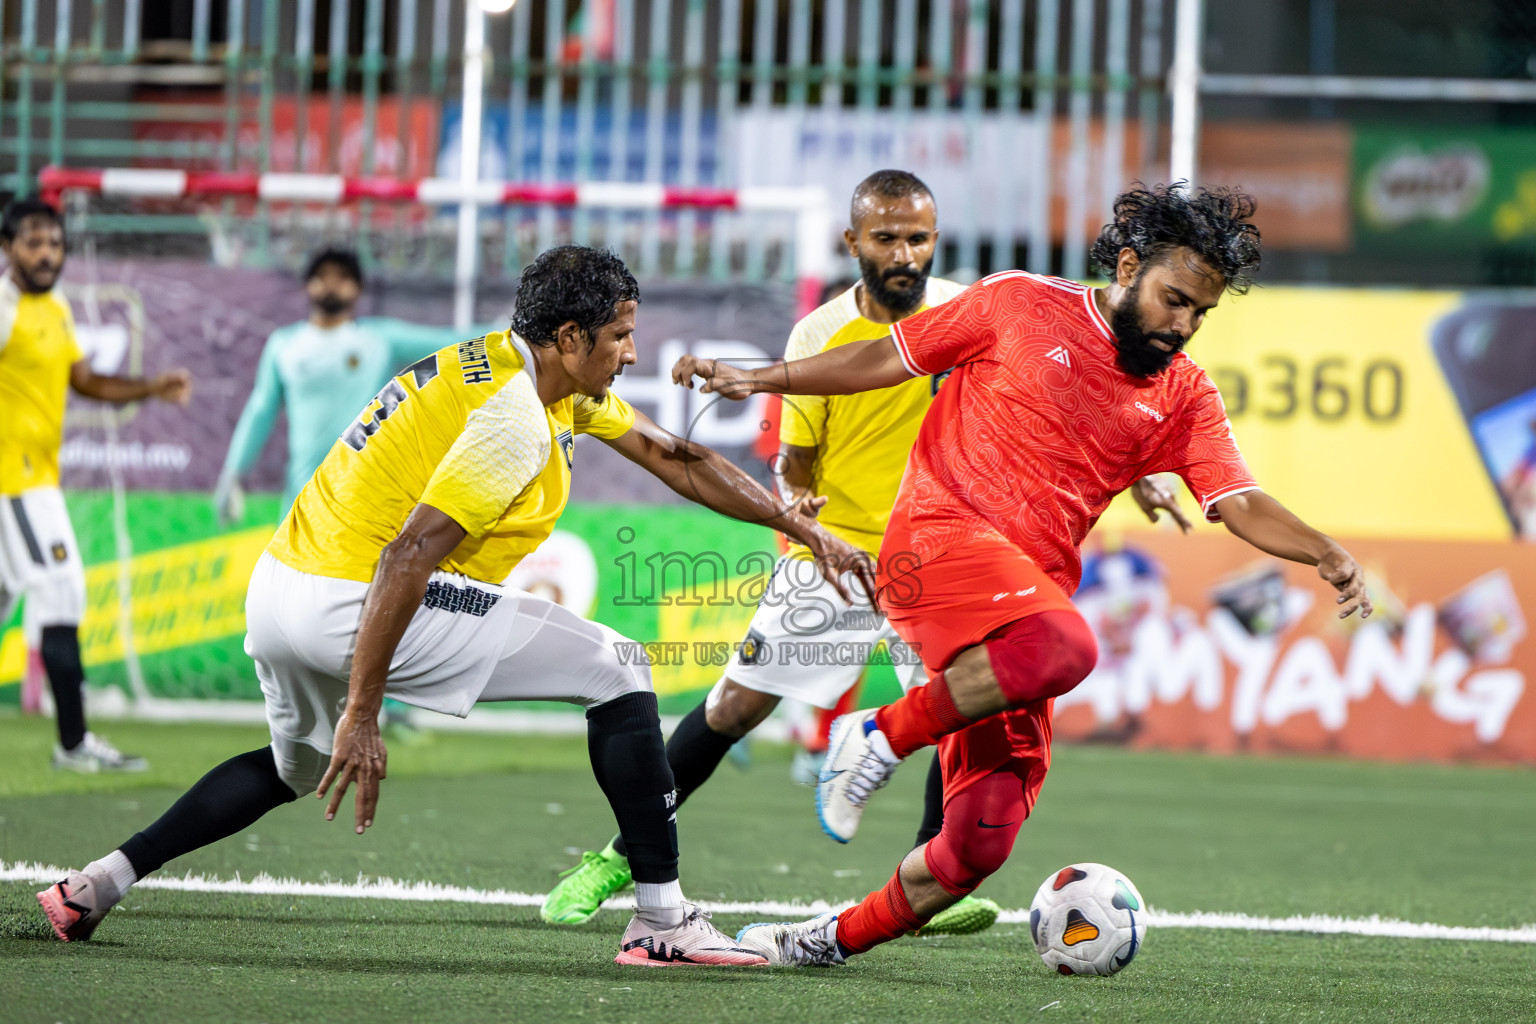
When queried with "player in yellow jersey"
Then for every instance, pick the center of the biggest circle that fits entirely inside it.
(458, 469)
(40, 362)
(805, 641)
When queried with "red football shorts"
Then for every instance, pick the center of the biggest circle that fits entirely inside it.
(955, 601)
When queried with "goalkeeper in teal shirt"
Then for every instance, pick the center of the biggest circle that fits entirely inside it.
(324, 370)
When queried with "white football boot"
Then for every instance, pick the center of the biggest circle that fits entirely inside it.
(95, 754)
(859, 761)
(810, 943)
(76, 905)
(693, 943)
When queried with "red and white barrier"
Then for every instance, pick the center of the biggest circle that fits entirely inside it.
(810, 206)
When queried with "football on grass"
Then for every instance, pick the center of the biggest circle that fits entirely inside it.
(1087, 919)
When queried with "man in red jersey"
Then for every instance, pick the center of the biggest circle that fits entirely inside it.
(1061, 397)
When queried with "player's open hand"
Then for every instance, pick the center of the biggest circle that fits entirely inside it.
(175, 387)
(358, 756)
(1152, 495)
(1344, 574)
(835, 558)
(719, 378)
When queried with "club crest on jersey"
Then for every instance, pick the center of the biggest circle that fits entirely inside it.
(753, 649)
(567, 447)
(937, 379)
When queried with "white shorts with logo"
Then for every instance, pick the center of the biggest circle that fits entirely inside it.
(806, 642)
(39, 558)
(469, 642)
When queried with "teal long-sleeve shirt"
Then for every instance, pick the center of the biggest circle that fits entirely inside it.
(324, 377)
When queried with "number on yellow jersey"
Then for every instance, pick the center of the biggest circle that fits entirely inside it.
(386, 402)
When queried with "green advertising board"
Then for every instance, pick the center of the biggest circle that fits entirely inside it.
(678, 578)
(1446, 190)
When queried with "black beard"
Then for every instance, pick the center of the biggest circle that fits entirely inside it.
(1134, 350)
(897, 300)
(331, 304)
(29, 282)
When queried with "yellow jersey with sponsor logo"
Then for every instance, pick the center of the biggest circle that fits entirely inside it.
(862, 440)
(37, 348)
(462, 430)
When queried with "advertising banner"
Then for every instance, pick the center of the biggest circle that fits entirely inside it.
(403, 141)
(1445, 190)
(1298, 172)
(1403, 423)
(1206, 644)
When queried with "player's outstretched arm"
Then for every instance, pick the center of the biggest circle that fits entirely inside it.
(705, 476)
(399, 584)
(175, 386)
(1270, 526)
(844, 370)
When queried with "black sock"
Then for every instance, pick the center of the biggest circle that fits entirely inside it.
(221, 803)
(933, 804)
(624, 742)
(66, 677)
(694, 752)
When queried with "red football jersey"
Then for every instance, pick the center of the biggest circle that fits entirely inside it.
(1037, 427)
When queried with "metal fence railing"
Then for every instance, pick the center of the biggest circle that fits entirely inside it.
(682, 92)
(1026, 116)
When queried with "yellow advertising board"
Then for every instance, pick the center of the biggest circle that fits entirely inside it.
(1344, 414)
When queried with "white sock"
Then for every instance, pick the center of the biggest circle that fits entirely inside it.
(659, 904)
(116, 867)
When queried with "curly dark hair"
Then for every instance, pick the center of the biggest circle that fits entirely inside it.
(1213, 223)
(20, 209)
(344, 260)
(571, 282)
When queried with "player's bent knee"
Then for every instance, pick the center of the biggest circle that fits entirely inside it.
(610, 675)
(299, 765)
(961, 859)
(735, 710)
(1042, 656)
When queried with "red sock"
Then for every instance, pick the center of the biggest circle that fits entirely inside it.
(849, 701)
(884, 915)
(921, 718)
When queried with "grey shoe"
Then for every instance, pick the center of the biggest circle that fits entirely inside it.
(95, 754)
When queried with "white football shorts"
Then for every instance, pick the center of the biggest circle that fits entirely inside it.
(469, 642)
(39, 558)
(806, 642)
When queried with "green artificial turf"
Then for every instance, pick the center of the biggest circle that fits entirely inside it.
(1264, 836)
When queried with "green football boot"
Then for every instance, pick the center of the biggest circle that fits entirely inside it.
(971, 915)
(582, 889)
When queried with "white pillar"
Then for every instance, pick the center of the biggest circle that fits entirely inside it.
(469, 166)
(1184, 91)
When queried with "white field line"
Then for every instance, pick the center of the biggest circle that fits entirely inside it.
(431, 892)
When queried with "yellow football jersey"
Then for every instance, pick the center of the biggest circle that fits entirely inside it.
(462, 430)
(37, 348)
(863, 439)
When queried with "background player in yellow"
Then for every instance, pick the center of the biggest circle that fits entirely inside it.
(40, 361)
(455, 471)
